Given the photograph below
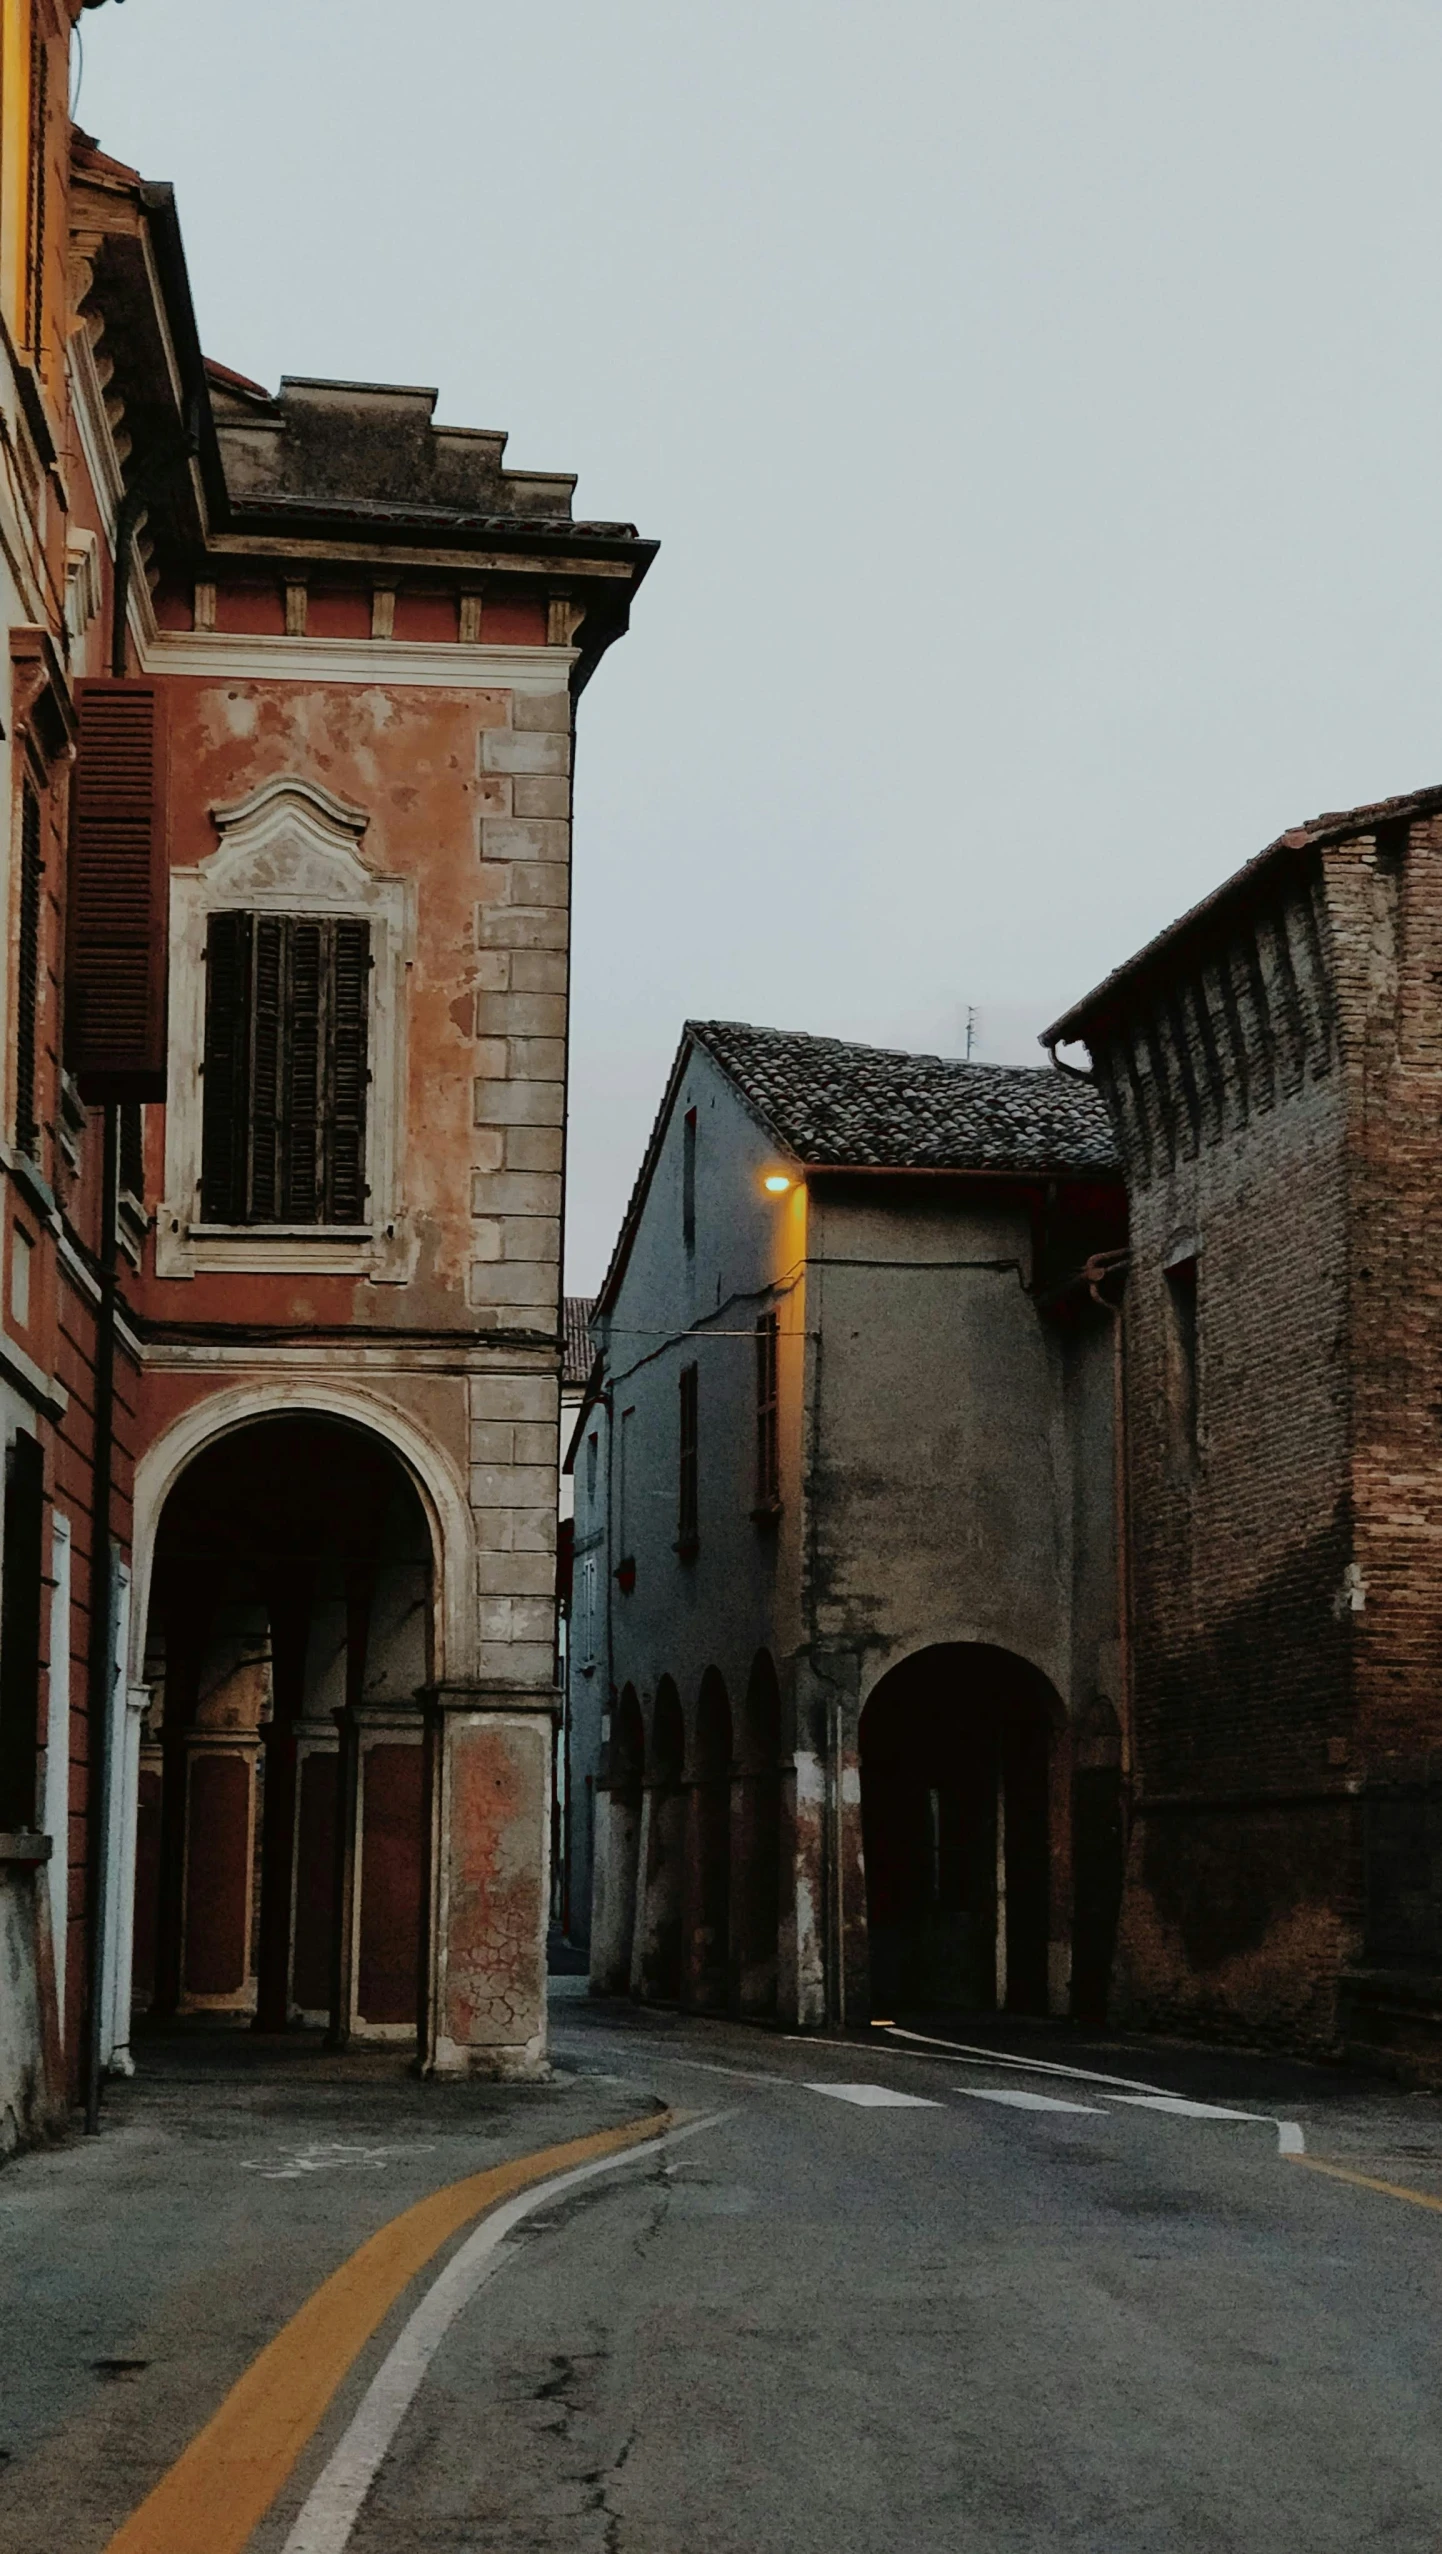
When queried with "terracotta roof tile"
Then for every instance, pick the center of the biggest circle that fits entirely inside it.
(835, 1104)
(578, 1353)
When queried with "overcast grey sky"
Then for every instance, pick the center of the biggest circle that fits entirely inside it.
(1037, 401)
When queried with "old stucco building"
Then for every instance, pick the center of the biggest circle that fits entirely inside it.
(845, 1514)
(285, 1036)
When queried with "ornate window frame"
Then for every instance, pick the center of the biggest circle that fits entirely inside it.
(288, 847)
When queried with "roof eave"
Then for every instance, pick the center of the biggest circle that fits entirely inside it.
(1296, 845)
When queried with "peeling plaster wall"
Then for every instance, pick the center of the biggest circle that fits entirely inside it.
(27, 2106)
(941, 1484)
(450, 1320)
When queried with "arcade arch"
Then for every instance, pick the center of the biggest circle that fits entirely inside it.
(964, 1822)
(290, 1622)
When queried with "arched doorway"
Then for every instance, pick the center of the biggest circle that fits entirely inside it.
(289, 1635)
(956, 1766)
(708, 1929)
(656, 1969)
(756, 1921)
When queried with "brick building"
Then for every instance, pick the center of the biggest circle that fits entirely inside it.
(295, 680)
(1271, 1065)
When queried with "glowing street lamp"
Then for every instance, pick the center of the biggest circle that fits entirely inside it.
(777, 1183)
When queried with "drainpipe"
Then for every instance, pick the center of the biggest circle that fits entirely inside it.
(100, 1682)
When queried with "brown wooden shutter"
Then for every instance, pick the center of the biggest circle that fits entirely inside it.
(117, 917)
(348, 1202)
(286, 1073)
(225, 1119)
(305, 1027)
(264, 1203)
(27, 976)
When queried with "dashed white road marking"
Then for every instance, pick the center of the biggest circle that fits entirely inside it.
(1290, 2140)
(874, 2097)
(1018, 2101)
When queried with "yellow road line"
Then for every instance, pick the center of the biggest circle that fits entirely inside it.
(1366, 2181)
(218, 2491)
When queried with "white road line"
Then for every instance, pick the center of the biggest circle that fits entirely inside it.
(874, 2097)
(335, 2499)
(1181, 2109)
(1016, 2100)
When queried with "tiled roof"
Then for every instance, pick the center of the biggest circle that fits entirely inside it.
(578, 1354)
(837, 1105)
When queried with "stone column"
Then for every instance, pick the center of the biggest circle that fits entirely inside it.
(489, 1817)
(613, 1900)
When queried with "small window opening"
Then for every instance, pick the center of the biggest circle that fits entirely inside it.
(1181, 1284)
(688, 1183)
(132, 1150)
(21, 1251)
(688, 1504)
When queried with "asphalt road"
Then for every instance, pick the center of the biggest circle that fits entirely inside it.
(935, 2316)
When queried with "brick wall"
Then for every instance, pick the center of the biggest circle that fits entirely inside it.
(1226, 1084)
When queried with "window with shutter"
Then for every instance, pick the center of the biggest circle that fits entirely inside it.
(27, 977)
(117, 906)
(286, 1073)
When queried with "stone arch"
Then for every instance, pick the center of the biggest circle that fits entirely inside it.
(966, 1828)
(758, 1832)
(290, 1565)
(441, 1492)
(708, 1861)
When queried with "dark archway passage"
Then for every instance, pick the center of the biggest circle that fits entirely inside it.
(289, 1636)
(956, 1749)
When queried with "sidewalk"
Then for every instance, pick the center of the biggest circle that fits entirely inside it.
(141, 2272)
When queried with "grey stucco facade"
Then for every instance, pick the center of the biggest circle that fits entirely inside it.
(917, 1550)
